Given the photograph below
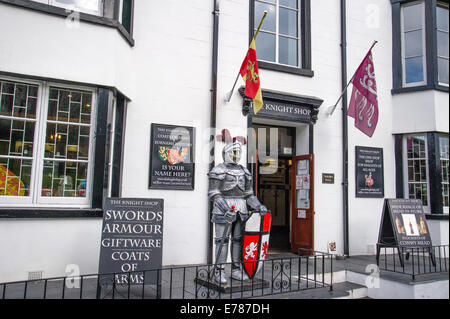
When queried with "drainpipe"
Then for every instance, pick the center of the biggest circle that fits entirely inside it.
(215, 54)
(344, 125)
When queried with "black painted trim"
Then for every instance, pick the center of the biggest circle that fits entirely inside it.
(311, 139)
(119, 142)
(435, 176)
(26, 77)
(420, 88)
(285, 68)
(399, 178)
(436, 216)
(397, 70)
(100, 149)
(57, 11)
(50, 213)
(430, 47)
(305, 38)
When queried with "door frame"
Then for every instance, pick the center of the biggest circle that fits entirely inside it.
(294, 210)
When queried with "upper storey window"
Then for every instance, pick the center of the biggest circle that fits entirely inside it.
(279, 38)
(284, 41)
(413, 44)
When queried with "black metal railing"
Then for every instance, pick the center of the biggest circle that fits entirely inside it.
(276, 276)
(414, 261)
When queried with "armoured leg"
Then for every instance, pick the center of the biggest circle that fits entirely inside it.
(237, 271)
(221, 252)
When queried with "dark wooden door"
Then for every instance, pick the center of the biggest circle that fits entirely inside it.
(302, 192)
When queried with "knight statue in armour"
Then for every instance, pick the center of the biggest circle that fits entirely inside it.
(231, 193)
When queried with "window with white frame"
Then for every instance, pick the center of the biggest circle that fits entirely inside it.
(87, 6)
(417, 169)
(443, 147)
(413, 44)
(442, 42)
(46, 143)
(279, 38)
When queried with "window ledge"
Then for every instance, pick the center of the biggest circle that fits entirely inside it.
(57, 11)
(285, 68)
(49, 213)
(419, 88)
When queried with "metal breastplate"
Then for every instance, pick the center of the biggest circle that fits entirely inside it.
(234, 182)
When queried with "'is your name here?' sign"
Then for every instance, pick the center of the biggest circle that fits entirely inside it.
(132, 235)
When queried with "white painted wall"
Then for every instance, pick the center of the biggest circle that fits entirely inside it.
(48, 246)
(168, 77)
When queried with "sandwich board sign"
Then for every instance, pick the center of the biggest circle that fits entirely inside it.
(403, 225)
(131, 244)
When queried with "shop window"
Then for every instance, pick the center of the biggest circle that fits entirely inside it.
(283, 43)
(417, 171)
(442, 42)
(46, 144)
(413, 44)
(443, 147)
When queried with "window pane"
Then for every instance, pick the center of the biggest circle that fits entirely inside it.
(414, 70)
(442, 43)
(413, 44)
(15, 175)
(289, 3)
(64, 179)
(18, 100)
(81, 5)
(443, 70)
(288, 22)
(417, 168)
(412, 17)
(67, 144)
(442, 18)
(288, 51)
(269, 23)
(265, 47)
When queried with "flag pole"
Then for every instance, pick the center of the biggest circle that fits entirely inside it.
(333, 107)
(229, 94)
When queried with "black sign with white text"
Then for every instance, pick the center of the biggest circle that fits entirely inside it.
(405, 220)
(172, 157)
(286, 112)
(132, 235)
(369, 172)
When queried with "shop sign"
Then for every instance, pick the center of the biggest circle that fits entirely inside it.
(132, 240)
(172, 157)
(327, 178)
(286, 112)
(369, 172)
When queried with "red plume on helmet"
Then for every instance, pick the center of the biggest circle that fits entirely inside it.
(226, 138)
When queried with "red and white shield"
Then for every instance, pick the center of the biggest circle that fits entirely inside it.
(256, 242)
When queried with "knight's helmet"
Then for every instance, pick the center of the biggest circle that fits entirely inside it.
(231, 152)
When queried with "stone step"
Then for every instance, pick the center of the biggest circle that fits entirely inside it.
(342, 290)
(354, 291)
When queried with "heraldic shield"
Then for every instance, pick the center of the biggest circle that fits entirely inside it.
(256, 242)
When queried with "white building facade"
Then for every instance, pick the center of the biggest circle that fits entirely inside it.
(82, 83)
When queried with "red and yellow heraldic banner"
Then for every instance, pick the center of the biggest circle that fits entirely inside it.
(250, 74)
(10, 184)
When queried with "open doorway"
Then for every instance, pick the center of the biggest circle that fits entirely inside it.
(273, 180)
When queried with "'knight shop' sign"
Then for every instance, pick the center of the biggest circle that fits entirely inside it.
(132, 235)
